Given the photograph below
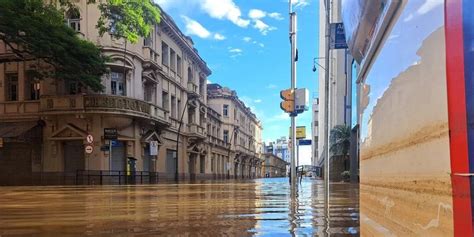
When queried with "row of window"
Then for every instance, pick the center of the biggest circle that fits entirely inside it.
(32, 87)
(171, 59)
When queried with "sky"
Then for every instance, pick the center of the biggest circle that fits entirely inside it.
(246, 45)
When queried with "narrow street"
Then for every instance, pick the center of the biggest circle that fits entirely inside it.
(260, 207)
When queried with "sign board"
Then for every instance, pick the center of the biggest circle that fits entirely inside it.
(110, 134)
(1, 142)
(89, 149)
(304, 142)
(153, 148)
(90, 139)
(300, 132)
(338, 37)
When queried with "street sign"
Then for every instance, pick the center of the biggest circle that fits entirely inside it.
(110, 134)
(300, 132)
(338, 37)
(153, 148)
(304, 142)
(89, 149)
(90, 139)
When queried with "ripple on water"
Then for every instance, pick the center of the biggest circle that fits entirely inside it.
(262, 207)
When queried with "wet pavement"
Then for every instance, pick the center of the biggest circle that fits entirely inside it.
(262, 207)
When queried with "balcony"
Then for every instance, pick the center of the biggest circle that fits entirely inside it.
(16, 109)
(217, 141)
(193, 90)
(151, 57)
(196, 131)
(103, 104)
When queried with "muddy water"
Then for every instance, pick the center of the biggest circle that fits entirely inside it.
(261, 207)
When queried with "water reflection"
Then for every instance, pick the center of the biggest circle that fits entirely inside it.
(262, 207)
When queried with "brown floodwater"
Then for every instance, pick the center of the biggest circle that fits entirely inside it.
(262, 207)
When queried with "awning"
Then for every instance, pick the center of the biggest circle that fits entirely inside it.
(15, 129)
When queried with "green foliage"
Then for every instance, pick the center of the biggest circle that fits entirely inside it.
(346, 175)
(36, 31)
(340, 140)
(129, 19)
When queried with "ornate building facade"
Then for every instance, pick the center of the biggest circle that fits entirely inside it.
(241, 130)
(54, 131)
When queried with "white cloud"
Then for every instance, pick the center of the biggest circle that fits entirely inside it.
(271, 86)
(235, 51)
(258, 101)
(263, 27)
(257, 14)
(209, 81)
(195, 28)
(408, 18)
(218, 36)
(301, 3)
(429, 5)
(261, 45)
(247, 39)
(279, 117)
(275, 15)
(224, 9)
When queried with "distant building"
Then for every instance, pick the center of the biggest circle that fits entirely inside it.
(240, 128)
(274, 166)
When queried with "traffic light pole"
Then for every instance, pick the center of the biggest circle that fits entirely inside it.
(293, 25)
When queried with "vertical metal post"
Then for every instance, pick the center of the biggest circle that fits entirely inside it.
(326, 114)
(293, 26)
(297, 153)
(110, 156)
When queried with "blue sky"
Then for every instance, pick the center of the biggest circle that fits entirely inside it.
(246, 45)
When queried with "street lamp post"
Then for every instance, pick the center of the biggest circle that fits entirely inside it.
(293, 26)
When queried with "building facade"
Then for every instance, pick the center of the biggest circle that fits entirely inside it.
(154, 104)
(274, 166)
(340, 86)
(240, 129)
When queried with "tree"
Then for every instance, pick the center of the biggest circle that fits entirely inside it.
(340, 138)
(35, 30)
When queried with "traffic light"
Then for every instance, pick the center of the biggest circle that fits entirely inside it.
(288, 103)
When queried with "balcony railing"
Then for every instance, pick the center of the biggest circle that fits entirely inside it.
(105, 104)
(217, 141)
(150, 55)
(193, 89)
(195, 130)
(16, 108)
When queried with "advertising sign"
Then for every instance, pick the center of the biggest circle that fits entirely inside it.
(338, 38)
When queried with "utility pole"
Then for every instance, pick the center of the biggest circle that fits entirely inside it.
(293, 25)
(326, 110)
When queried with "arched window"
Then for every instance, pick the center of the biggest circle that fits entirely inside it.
(74, 19)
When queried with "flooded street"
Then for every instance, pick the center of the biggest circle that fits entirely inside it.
(261, 207)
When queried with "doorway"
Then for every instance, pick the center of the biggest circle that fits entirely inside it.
(74, 156)
(118, 156)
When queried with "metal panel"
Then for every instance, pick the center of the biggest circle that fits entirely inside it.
(118, 156)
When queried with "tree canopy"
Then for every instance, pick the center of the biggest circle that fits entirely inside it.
(35, 30)
(340, 140)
